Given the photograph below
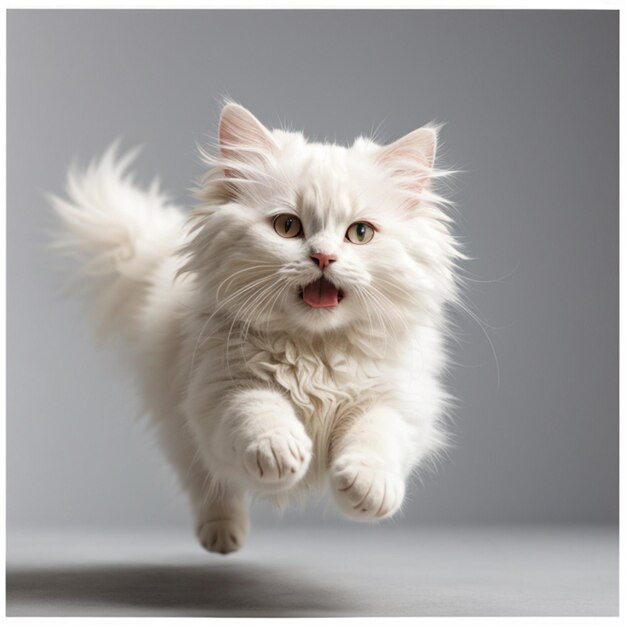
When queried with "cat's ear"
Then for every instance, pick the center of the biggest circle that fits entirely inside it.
(241, 135)
(411, 158)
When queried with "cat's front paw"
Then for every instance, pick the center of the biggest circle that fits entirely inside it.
(364, 489)
(278, 458)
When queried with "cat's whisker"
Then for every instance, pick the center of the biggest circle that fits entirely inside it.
(236, 321)
(479, 322)
(399, 313)
(195, 348)
(238, 293)
(404, 293)
(244, 307)
(247, 287)
(380, 318)
(254, 313)
(244, 270)
(273, 303)
(359, 294)
(381, 312)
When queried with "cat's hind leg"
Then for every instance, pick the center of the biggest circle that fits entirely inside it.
(222, 519)
(220, 511)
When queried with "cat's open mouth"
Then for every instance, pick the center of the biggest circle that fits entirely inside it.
(321, 294)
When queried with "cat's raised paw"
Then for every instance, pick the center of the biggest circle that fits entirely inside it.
(278, 459)
(222, 536)
(366, 490)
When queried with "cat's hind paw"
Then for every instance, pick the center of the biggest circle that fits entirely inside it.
(222, 536)
(364, 489)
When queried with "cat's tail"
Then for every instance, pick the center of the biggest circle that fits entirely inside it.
(121, 234)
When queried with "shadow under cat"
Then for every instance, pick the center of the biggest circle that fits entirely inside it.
(229, 589)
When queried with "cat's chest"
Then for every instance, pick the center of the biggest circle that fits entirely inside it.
(322, 381)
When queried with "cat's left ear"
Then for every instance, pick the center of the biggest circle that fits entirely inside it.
(411, 158)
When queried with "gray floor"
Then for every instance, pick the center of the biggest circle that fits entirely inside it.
(329, 571)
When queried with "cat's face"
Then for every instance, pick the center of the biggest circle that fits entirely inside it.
(309, 237)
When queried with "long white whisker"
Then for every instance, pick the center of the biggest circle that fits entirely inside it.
(245, 269)
(361, 297)
(240, 291)
(400, 315)
(379, 307)
(277, 299)
(380, 316)
(254, 313)
(195, 348)
(239, 312)
(480, 325)
(201, 333)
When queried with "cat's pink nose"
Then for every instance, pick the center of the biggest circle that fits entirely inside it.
(323, 260)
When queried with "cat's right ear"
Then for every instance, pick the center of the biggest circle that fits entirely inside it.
(411, 158)
(242, 138)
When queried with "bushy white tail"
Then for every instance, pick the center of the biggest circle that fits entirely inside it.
(120, 232)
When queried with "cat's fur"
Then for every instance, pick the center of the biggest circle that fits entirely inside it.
(251, 390)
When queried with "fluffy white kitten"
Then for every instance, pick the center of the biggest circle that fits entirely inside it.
(288, 332)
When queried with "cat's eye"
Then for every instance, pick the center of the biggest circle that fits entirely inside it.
(360, 233)
(287, 225)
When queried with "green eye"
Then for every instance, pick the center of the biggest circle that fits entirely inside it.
(287, 225)
(360, 233)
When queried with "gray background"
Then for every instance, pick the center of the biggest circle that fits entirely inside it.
(530, 101)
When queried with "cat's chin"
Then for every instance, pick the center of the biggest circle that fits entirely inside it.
(318, 320)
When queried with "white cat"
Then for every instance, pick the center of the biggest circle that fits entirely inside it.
(288, 331)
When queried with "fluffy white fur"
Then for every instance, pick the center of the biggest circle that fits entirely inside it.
(251, 390)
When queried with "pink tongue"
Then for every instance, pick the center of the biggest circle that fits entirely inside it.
(321, 294)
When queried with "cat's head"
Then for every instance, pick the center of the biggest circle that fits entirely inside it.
(309, 237)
